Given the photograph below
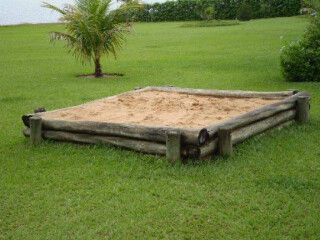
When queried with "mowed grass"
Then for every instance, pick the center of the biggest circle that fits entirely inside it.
(270, 189)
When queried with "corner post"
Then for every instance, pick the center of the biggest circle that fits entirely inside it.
(303, 109)
(35, 130)
(173, 145)
(225, 141)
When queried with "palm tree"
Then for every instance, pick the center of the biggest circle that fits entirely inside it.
(128, 4)
(92, 30)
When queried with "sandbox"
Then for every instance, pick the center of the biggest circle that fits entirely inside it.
(176, 122)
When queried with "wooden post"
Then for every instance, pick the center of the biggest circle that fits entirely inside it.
(35, 130)
(173, 145)
(225, 141)
(303, 109)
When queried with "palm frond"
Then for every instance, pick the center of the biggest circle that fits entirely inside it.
(91, 29)
(54, 8)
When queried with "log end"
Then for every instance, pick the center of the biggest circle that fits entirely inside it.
(192, 152)
(294, 91)
(203, 136)
(26, 119)
(40, 110)
(26, 132)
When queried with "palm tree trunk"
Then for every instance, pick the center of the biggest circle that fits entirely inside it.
(127, 19)
(98, 70)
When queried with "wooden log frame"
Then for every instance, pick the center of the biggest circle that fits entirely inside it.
(194, 143)
(225, 93)
(258, 114)
(128, 143)
(134, 144)
(157, 134)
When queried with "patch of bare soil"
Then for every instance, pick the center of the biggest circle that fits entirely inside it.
(105, 75)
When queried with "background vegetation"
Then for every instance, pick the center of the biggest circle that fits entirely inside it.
(269, 190)
(187, 10)
(300, 60)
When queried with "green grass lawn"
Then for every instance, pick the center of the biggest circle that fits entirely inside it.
(270, 189)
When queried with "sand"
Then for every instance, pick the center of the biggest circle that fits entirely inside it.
(155, 108)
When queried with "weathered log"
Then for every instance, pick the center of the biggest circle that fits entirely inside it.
(173, 145)
(303, 109)
(195, 152)
(26, 119)
(157, 134)
(256, 115)
(134, 144)
(98, 100)
(294, 91)
(243, 133)
(285, 124)
(157, 148)
(209, 148)
(190, 151)
(225, 141)
(39, 110)
(225, 93)
(35, 130)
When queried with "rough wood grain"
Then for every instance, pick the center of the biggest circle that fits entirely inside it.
(225, 93)
(209, 148)
(256, 115)
(35, 130)
(303, 109)
(157, 134)
(243, 133)
(294, 91)
(285, 124)
(173, 145)
(134, 144)
(225, 141)
(195, 152)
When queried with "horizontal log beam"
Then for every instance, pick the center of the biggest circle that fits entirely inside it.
(256, 115)
(209, 148)
(204, 151)
(98, 100)
(285, 124)
(156, 134)
(133, 144)
(243, 133)
(225, 93)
